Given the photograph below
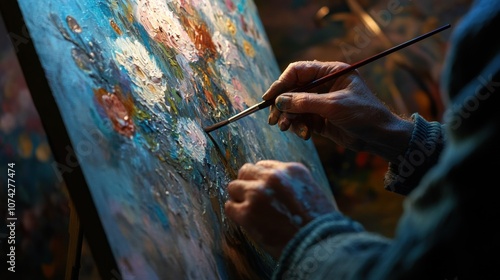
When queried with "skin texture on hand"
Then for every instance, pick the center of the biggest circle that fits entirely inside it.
(272, 200)
(343, 110)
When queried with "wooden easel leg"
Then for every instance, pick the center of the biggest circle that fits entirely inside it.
(74, 246)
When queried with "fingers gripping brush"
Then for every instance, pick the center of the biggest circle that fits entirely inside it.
(324, 79)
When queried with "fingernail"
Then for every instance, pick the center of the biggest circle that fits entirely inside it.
(272, 120)
(284, 124)
(283, 102)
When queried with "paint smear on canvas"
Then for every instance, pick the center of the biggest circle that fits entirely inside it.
(141, 79)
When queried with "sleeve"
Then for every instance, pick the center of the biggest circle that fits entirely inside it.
(325, 242)
(445, 231)
(423, 152)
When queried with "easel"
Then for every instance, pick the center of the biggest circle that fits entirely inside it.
(74, 245)
(59, 140)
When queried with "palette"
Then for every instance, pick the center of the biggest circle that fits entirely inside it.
(124, 90)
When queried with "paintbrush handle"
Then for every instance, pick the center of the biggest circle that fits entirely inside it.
(324, 79)
(356, 65)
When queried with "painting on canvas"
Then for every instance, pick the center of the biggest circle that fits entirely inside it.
(134, 82)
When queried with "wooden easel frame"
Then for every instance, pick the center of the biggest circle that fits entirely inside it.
(74, 245)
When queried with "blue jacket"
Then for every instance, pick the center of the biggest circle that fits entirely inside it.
(447, 230)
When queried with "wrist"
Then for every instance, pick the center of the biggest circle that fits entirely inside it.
(393, 139)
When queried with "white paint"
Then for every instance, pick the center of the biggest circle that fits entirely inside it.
(142, 69)
(163, 26)
(228, 50)
(192, 139)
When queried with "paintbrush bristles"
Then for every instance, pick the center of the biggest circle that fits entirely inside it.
(210, 128)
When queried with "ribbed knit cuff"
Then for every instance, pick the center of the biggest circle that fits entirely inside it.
(423, 152)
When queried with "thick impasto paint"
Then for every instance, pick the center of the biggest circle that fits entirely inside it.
(135, 82)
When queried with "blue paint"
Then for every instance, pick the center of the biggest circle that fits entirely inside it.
(139, 171)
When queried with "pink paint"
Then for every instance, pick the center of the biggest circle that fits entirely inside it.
(230, 5)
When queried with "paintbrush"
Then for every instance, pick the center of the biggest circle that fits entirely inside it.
(324, 79)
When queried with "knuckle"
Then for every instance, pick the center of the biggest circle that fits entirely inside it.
(301, 99)
(231, 186)
(273, 178)
(296, 101)
(296, 167)
(244, 170)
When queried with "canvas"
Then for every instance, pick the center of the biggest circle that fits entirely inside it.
(134, 83)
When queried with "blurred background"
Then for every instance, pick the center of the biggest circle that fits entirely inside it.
(343, 30)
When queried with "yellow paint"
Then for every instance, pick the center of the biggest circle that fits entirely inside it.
(249, 50)
(127, 7)
(221, 100)
(231, 27)
(206, 79)
(142, 115)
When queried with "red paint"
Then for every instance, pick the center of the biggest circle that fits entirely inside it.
(118, 109)
(244, 24)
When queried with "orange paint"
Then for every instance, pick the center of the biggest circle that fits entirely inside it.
(203, 41)
(210, 98)
(115, 27)
(118, 109)
(200, 36)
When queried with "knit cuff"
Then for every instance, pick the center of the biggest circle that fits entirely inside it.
(423, 152)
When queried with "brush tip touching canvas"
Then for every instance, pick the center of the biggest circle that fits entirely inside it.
(213, 127)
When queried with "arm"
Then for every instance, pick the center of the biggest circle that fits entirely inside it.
(348, 113)
(444, 231)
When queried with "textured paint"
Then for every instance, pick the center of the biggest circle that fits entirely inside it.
(249, 50)
(192, 138)
(73, 24)
(115, 27)
(145, 74)
(141, 79)
(165, 27)
(119, 114)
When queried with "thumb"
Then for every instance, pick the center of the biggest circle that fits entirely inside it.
(303, 102)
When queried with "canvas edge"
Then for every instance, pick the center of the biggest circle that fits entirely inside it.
(59, 140)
